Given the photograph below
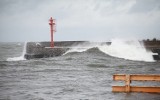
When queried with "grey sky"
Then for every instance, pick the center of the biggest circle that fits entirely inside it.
(94, 20)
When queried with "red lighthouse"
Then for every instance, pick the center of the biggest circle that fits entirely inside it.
(52, 27)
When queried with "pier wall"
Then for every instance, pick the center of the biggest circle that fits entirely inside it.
(43, 50)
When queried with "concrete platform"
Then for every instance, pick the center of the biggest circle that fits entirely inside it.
(43, 49)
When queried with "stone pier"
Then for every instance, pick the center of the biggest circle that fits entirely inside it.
(43, 49)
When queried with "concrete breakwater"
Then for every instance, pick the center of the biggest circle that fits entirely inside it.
(43, 50)
(154, 46)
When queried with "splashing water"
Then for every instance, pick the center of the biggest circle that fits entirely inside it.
(132, 50)
(82, 47)
(21, 57)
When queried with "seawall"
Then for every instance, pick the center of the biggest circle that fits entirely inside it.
(43, 50)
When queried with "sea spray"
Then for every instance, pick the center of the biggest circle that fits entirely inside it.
(21, 57)
(82, 47)
(131, 50)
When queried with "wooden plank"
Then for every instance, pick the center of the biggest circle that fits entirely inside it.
(118, 89)
(119, 77)
(136, 89)
(122, 77)
(145, 77)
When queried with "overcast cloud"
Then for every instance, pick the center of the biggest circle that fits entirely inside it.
(93, 20)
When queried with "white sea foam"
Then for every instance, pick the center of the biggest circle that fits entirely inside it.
(21, 57)
(131, 50)
(16, 58)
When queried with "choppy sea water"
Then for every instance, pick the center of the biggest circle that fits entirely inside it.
(85, 75)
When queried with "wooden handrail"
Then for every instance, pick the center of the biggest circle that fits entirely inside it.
(129, 78)
(138, 77)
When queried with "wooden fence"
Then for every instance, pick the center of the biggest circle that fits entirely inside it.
(129, 78)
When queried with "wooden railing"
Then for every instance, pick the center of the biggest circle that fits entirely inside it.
(129, 78)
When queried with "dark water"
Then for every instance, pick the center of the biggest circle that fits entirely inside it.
(74, 76)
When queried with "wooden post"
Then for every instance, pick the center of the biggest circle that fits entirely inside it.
(127, 81)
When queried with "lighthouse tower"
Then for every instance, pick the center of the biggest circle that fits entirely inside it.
(52, 29)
